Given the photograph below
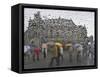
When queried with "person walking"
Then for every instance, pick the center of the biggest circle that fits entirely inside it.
(54, 55)
(37, 52)
(58, 54)
(32, 51)
(61, 53)
(44, 50)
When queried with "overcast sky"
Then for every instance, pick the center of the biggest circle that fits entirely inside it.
(78, 17)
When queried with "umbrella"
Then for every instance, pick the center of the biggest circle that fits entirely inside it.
(26, 48)
(68, 45)
(58, 44)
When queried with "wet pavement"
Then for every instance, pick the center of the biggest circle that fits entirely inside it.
(67, 61)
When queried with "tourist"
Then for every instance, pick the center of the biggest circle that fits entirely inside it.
(44, 50)
(37, 52)
(54, 55)
(61, 53)
(58, 54)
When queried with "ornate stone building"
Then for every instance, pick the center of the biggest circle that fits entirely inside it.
(59, 29)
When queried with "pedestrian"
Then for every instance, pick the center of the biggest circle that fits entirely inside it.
(37, 52)
(61, 53)
(32, 52)
(54, 55)
(58, 54)
(44, 50)
(27, 52)
(70, 51)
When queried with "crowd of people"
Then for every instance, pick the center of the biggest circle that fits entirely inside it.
(57, 50)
